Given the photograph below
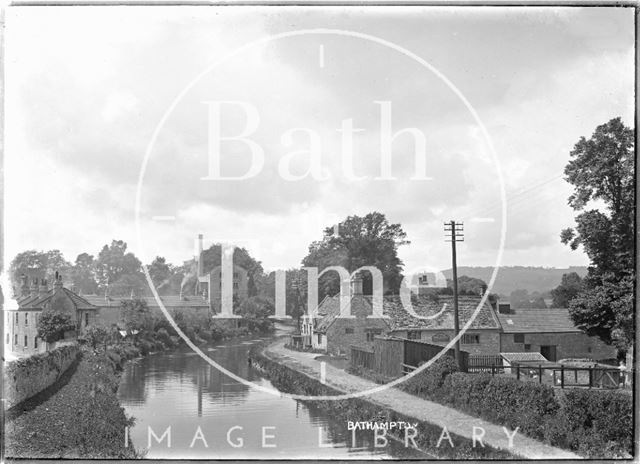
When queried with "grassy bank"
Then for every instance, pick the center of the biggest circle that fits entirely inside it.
(358, 409)
(597, 424)
(83, 419)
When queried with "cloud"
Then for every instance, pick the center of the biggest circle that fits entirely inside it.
(80, 114)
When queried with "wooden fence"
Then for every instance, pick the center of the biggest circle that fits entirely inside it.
(484, 363)
(362, 357)
(557, 375)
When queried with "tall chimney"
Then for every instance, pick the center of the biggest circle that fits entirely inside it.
(33, 290)
(356, 285)
(24, 286)
(199, 257)
(57, 282)
(43, 287)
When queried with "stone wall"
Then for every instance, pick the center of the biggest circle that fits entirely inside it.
(489, 339)
(26, 377)
(568, 345)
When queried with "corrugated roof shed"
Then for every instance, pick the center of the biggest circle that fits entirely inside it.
(523, 357)
(538, 321)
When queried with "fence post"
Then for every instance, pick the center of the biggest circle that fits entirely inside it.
(590, 376)
(540, 373)
(518, 371)
(493, 369)
(561, 375)
(575, 379)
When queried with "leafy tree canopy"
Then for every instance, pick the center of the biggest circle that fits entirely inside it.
(37, 264)
(369, 240)
(568, 289)
(601, 168)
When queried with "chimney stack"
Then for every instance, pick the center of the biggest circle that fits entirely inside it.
(43, 287)
(199, 257)
(57, 282)
(356, 285)
(33, 290)
(24, 286)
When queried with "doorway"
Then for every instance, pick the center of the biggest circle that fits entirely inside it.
(549, 352)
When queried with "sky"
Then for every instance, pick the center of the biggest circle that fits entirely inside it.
(105, 103)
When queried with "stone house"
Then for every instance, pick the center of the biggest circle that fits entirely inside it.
(21, 329)
(550, 332)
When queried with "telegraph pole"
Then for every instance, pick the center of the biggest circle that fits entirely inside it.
(454, 231)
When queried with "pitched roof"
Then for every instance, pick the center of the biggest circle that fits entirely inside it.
(440, 310)
(170, 301)
(38, 302)
(537, 321)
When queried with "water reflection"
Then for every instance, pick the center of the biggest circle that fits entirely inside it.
(213, 416)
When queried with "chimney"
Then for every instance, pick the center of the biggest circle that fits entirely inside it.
(504, 308)
(199, 257)
(57, 282)
(33, 290)
(356, 285)
(43, 287)
(24, 286)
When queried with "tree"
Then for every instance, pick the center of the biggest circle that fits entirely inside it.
(468, 286)
(83, 274)
(602, 168)
(52, 326)
(361, 241)
(568, 289)
(96, 336)
(160, 272)
(37, 264)
(255, 312)
(135, 315)
(113, 262)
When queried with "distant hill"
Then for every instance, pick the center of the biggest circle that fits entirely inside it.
(510, 278)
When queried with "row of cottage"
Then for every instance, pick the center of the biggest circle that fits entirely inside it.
(494, 330)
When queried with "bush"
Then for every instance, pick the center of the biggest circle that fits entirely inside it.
(428, 383)
(163, 336)
(594, 422)
(52, 326)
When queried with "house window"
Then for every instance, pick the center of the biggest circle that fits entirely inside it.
(26, 318)
(319, 338)
(348, 330)
(235, 275)
(86, 319)
(35, 342)
(471, 339)
(235, 285)
(527, 347)
(518, 338)
(413, 335)
(15, 339)
(371, 334)
(26, 342)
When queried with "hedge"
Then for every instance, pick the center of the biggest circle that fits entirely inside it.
(593, 423)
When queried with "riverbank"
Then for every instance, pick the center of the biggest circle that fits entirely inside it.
(82, 419)
(364, 415)
(427, 412)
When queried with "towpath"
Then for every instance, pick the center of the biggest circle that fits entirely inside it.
(456, 422)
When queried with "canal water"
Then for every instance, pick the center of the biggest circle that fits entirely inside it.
(182, 391)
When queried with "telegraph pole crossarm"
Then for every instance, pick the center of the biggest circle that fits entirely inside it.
(454, 231)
